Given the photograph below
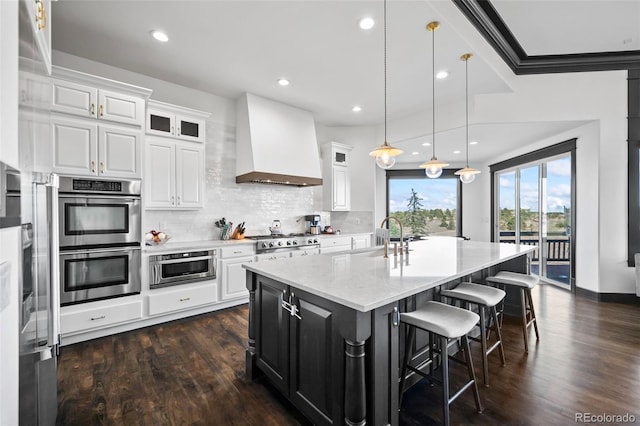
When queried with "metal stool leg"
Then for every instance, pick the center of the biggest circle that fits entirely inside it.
(523, 302)
(533, 314)
(407, 357)
(483, 343)
(472, 374)
(444, 354)
(499, 333)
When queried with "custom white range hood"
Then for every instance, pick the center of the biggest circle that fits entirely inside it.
(276, 143)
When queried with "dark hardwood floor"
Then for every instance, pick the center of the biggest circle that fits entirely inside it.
(191, 372)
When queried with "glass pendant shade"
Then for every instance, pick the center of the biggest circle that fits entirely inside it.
(467, 175)
(433, 168)
(385, 162)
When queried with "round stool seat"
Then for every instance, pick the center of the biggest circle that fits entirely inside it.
(475, 293)
(442, 319)
(516, 279)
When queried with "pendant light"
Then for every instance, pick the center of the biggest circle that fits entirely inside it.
(467, 174)
(433, 168)
(385, 154)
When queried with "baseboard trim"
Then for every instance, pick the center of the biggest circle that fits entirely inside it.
(628, 298)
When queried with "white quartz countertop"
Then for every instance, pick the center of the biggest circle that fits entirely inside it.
(365, 280)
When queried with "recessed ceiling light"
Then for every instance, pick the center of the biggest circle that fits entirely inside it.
(415, 153)
(473, 143)
(283, 82)
(366, 23)
(442, 74)
(457, 151)
(160, 36)
(426, 144)
(356, 108)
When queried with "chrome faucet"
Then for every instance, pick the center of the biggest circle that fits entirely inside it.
(386, 243)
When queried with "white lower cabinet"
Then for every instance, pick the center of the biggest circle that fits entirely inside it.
(360, 241)
(96, 315)
(231, 275)
(162, 301)
(335, 244)
(234, 276)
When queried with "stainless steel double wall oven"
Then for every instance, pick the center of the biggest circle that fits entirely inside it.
(100, 238)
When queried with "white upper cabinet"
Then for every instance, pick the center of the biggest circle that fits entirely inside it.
(174, 164)
(83, 148)
(39, 12)
(175, 122)
(336, 177)
(90, 102)
(174, 175)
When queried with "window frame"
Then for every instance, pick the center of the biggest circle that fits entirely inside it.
(419, 174)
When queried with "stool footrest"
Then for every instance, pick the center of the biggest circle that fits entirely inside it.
(462, 389)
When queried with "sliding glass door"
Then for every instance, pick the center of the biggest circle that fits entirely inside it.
(534, 206)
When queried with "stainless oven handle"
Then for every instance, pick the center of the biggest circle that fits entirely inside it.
(100, 250)
(127, 197)
(184, 259)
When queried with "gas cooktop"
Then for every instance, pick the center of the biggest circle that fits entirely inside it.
(289, 241)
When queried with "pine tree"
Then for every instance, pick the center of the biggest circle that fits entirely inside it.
(416, 215)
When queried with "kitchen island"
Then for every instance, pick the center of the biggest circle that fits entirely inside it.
(324, 330)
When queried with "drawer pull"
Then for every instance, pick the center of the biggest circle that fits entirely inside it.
(185, 299)
(98, 318)
(237, 252)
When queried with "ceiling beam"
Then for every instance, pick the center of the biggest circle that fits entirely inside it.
(488, 22)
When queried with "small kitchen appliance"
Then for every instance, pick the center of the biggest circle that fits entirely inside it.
(312, 224)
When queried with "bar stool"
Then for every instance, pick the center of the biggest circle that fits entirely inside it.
(486, 298)
(448, 323)
(524, 283)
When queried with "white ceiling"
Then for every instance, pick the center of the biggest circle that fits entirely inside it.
(551, 27)
(229, 47)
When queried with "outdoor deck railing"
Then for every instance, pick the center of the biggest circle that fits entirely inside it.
(558, 249)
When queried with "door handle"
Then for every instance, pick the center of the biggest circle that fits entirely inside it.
(93, 166)
(101, 110)
(101, 167)
(92, 111)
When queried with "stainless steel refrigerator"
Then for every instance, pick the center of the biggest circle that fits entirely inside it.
(39, 313)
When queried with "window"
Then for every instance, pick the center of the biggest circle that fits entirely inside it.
(534, 203)
(424, 206)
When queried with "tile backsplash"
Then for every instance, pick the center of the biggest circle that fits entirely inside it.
(255, 204)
